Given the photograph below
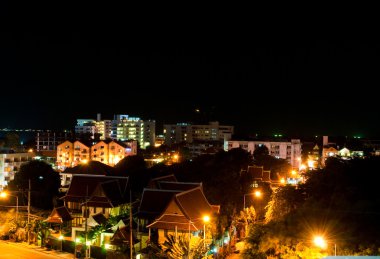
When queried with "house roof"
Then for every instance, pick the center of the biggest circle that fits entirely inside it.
(99, 218)
(59, 215)
(180, 186)
(154, 201)
(153, 183)
(256, 171)
(107, 195)
(170, 221)
(83, 186)
(91, 168)
(266, 176)
(194, 204)
(122, 236)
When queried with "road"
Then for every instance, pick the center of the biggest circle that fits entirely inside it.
(13, 251)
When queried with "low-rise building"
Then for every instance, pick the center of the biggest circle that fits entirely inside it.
(289, 150)
(188, 133)
(108, 152)
(10, 164)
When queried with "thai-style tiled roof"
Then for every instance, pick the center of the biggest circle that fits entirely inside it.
(154, 202)
(194, 204)
(122, 236)
(91, 168)
(153, 183)
(256, 172)
(180, 186)
(99, 218)
(82, 187)
(191, 205)
(170, 221)
(59, 215)
(107, 195)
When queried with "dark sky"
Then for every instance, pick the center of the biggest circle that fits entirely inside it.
(50, 75)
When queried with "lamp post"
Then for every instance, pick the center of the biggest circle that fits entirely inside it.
(4, 195)
(206, 219)
(61, 238)
(257, 194)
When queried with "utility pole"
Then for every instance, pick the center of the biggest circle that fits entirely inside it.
(29, 190)
(85, 223)
(130, 225)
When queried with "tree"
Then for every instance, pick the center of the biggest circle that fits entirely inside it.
(45, 183)
(337, 201)
(12, 141)
(260, 152)
(262, 158)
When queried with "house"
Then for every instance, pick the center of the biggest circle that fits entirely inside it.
(89, 195)
(183, 215)
(60, 215)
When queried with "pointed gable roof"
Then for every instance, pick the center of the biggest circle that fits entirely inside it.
(166, 221)
(192, 206)
(83, 186)
(122, 236)
(180, 186)
(154, 201)
(153, 183)
(256, 172)
(91, 168)
(107, 195)
(59, 215)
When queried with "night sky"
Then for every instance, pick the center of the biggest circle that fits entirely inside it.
(51, 75)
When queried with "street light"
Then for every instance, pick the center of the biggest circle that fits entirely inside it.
(4, 195)
(206, 219)
(61, 238)
(257, 194)
(322, 243)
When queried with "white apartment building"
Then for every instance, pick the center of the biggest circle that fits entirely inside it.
(133, 128)
(122, 128)
(10, 164)
(184, 132)
(104, 128)
(86, 126)
(291, 151)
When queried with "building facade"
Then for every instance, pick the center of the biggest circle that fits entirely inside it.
(134, 128)
(289, 150)
(122, 128)
(49, 140)
(184, 132)
(10, 164)
(71, 154)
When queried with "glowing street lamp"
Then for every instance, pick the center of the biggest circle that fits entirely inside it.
(257, 194)
(206, 219)
(322, 243)
(61, 238)
(4, 195)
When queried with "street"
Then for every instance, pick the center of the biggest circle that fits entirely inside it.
(16, 251)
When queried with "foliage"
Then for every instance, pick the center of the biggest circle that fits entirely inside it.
(135, 168)
(180, 248)
(45, 183)
(337, 202)
(8, 225)
(263, 158)
(284, 201)
(41, 230)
